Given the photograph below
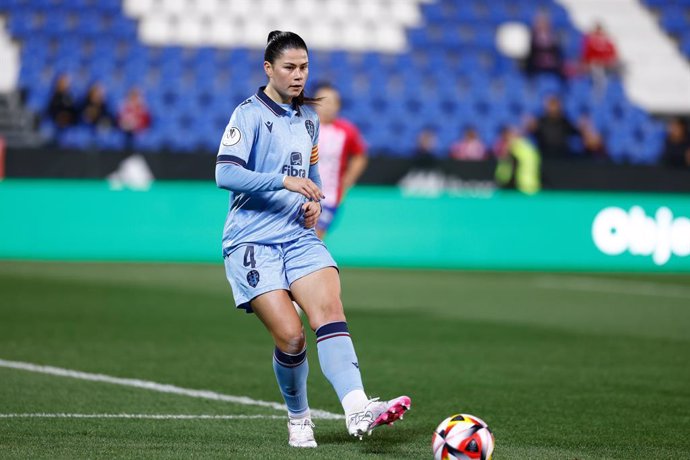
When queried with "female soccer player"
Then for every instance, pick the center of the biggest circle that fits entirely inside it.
(268, 158)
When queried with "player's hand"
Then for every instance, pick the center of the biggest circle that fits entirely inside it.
(312, 211)
(303, 186)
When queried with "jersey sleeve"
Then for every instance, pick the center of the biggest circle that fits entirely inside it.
(233, 155)
(315, 144)
(238, 138)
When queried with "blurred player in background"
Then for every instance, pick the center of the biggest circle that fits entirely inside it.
(342, 154)
(269, 158)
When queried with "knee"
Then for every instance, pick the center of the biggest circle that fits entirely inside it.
(291, 340)
(329, 312)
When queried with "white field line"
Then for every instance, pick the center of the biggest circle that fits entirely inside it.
(160, 387)
(609, 286)
(146, 416)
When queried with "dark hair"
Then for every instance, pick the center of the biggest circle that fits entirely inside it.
(278, 41)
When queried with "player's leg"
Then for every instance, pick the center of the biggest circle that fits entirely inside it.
(319, 295)
(257, 277)
(276, 312)
(318, 292)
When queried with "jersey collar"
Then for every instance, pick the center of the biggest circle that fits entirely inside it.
(271, 104)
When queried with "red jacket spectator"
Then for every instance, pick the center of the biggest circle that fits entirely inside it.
(598, 49)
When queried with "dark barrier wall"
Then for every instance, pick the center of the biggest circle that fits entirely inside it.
(557, 175)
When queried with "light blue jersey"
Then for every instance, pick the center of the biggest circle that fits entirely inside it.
(275, 141)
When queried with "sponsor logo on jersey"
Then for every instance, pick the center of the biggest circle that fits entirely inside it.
(310, 128)
(616, 231)
(232, 136)
(248, 101)
(294, 168)
(269, 125)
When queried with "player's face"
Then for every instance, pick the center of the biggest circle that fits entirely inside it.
(329, 104)
(288, 74)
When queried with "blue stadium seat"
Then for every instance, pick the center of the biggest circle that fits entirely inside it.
(434, 12)
(685, 45)
(674, 20)
(78, 137)
(21, 23)
(110, 139)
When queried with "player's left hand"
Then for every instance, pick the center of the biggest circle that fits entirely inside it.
(312, 211)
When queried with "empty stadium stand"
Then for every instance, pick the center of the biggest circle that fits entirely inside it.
(674, 17)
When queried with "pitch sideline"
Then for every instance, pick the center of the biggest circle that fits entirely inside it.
(160, 387)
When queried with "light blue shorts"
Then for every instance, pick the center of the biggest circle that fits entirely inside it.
(254, 269)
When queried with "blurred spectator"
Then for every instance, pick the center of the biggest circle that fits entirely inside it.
(598, 51)
(62, 108)
(94, 110)
(599, 56)
(676, 152)
(134, 116)
(427, 145)
(425, 176)
(469, 148)
(553, 131)
(519, 163)
(545, 54)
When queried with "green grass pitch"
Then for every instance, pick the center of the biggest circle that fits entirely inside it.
(561, 366)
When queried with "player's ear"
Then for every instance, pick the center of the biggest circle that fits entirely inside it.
(268, 68)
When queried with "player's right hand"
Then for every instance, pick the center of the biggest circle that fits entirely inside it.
(303, 186)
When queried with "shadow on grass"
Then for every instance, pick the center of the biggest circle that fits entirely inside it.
(393, 441)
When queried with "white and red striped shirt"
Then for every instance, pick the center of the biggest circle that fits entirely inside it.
(338, 141)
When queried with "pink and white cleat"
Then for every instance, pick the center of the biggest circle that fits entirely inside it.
(376, 413)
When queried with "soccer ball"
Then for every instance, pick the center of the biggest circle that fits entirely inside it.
(463, 437)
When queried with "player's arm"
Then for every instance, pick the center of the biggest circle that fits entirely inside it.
(355, 169)
(235, 177)
(314, 175)
(312, 209)
(358, 161)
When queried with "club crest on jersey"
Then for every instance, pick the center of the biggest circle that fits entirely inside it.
(232, 136)
(253, 278)
(294, 168)
(310, 128)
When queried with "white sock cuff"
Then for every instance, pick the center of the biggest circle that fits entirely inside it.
(300, 416)
(354, 401)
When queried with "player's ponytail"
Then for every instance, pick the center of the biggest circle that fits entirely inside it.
(278, 41)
